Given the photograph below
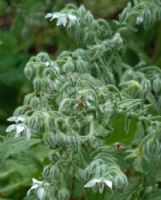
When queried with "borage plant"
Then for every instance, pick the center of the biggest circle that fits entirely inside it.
(96, 111)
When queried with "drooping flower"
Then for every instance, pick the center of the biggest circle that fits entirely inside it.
(18, 127)
(39, 186)
(62, 18)
(101, 182)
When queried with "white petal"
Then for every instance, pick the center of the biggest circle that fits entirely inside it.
(62, 20)
(46, 184)
(56, 15)
(72, 17)
(28, 133)
(17, 135)
(47, 64)
(21, 118)
(19, 129)
(139, 20)
(16, 119)
(36, 181)
(11, 128)
(11, 119)
(108, 183)
(91, 183)
(101, 187)
(49, 15)
(41, 193)
(32, 188)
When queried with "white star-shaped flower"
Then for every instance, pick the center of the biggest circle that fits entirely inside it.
(101, 182)
(19, 128)
(62, 18)
(39, 186)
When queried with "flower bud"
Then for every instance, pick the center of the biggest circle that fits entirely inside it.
(28, 98)
(37, 122)
(29, 70)
(120, 181)
(63, 194)
(48, 83)
(151, 147)
(37, 83)
(157, 85)
(68, 66)
(22, 110)
(117, 41)
(44, 57)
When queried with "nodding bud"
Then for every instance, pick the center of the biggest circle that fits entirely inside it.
(44, 57)
(120, 181)
(29, 70)
(28, 98)
(117, 40)
(36, 102)
(54, 156)
(63, 194)
(48, 83)
(22, 110)
(37, 83)
(151, 147)
(157, 85)
(68, 67)
(37, 122)
(82, 66)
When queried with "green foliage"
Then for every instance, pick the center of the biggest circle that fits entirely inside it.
(93, 112)
(20, 161)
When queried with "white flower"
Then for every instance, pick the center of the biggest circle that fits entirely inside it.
(16, 119)
(47, 63)
(39, 186)
(139, 20)
(62, 18)
(19, 128)
(101, 183)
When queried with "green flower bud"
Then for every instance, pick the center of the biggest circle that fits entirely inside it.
(28, 98)
(120, 181)
(29, 70)
(37, 122)
(48, 84)
(22, 110)
(63, 194)
(151, 147)
(117, 41)
(52, 172)
(157, 85)
(37, 83)
(68, 66)
(44, 57)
